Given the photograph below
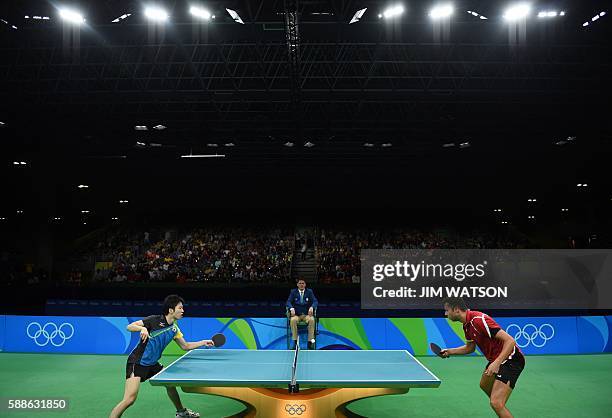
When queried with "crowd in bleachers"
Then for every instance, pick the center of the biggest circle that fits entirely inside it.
(202, 255)
(338, 251)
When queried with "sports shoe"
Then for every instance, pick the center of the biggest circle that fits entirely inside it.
(187, 413)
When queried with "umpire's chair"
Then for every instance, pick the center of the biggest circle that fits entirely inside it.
(301, 326)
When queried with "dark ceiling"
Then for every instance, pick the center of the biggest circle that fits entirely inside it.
(71, 98)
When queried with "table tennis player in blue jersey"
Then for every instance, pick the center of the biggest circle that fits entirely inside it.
(156, 332)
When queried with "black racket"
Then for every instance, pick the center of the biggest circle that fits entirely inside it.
(435, 348)
(218, 340)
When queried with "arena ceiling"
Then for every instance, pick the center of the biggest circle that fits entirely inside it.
(480, 108)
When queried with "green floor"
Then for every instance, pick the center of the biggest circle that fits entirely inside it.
(551, 386)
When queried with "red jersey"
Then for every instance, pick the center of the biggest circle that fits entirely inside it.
(481, 329)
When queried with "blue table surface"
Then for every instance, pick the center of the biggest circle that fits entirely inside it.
(272, 368)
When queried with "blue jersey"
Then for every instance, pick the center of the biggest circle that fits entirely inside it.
(161, 334)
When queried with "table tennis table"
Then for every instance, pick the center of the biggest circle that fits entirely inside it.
(326, 380)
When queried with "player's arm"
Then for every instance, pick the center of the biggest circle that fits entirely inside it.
(507, 349)
(192, 345)
(139, 326)
(468, 348)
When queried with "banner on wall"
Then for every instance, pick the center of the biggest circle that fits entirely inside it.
(2, 321)
(108, 335)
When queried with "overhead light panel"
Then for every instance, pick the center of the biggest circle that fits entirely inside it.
(8, 24)
(442, 11)
(159, 127)
(594, 18)
(83, 186)
(235, 16)
(358, 15)
(203, 156)
(140, 128)
(478, 15)
(71, 16)
(122, 17)
(309, 144)
(156, 14)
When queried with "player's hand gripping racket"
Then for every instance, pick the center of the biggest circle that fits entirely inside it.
(435, 348)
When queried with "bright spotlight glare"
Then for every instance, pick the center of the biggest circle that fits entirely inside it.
(72, 16)
(393, 11)
(517, 12)
(441, 12)
(199, 12)
(155, 13)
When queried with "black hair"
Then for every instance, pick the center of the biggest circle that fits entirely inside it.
(456, 303)
(301, 279)
(171, 301)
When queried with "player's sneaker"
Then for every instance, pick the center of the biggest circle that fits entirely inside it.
(187, 413)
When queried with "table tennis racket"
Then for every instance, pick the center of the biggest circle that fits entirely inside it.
(435, 348)
(218, 339)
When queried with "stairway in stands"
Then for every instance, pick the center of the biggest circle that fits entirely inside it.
(304, 268)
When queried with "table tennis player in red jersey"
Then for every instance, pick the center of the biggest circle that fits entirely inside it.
(506, 361)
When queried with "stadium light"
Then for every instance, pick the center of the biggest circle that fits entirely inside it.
(442, 11)
(156, 14)
(200, 13)
(72, 16)
(550, 14)
(517, 12)
(392, 12)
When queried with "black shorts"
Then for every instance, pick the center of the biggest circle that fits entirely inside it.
(144, 372)
(510, 370)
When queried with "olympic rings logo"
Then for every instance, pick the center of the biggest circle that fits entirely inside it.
(531, 334)
(42, 335)
(295, 409)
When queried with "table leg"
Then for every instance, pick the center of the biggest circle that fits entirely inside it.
(308, 403)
